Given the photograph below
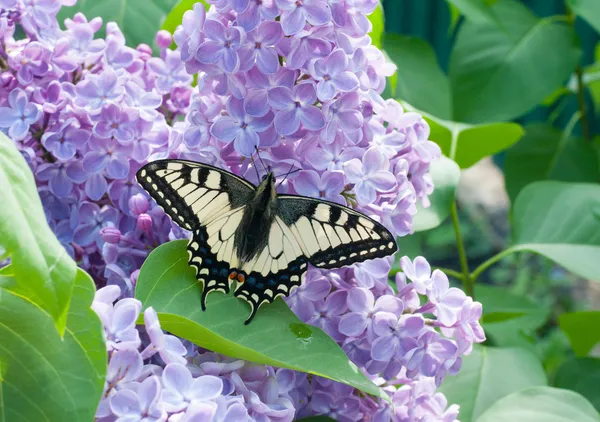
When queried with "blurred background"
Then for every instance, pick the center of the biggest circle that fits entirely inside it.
(557, 144)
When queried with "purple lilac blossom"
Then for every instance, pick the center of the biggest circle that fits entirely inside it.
(298, 79)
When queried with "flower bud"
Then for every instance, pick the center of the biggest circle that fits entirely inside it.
(163, 39)
(110, 235)
(138, 204)
(145, 51)
(144, 222)
(134, 277)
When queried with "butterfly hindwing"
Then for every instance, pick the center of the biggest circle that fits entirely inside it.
(332, 235)
(275, 270)
(206, 201)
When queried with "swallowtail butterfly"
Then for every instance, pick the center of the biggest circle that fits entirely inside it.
(254, 238)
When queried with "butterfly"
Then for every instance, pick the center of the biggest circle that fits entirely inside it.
(251, 236)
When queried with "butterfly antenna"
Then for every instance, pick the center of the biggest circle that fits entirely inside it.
(261, 160)
(287, 174)
(255, 168)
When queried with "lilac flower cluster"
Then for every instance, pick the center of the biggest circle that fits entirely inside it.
(296, 79)
(87, 113)
(159, 377)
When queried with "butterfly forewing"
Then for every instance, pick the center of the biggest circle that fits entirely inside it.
(208, 202)
(331, 235)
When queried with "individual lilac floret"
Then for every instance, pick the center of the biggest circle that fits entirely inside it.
(390, 331)
(180, 389)
(119, 324)
(125, 366)
(32, 62)
(240, 128)
(363, 307)
(297, 12)
(260, 49)
(143, 404)
(370, 176)
(295, 106)
(168, 347)
(115, 123)
(329, 185)
(98, 90)
(222, 45)
(332, 75)
(20, 115)
(66, 139)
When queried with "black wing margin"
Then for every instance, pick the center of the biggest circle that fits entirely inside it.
(175, 185)
(194, 195)
(332, 235)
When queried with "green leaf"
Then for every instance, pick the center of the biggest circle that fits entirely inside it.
(475, 10)
(275, 336)
(445, 174)
(582, 330)
(530, 58)
(548, 156)
(422, 86)
(377, 19)
(581, 375)
(44, 377)
(487, 375)
(588, 10)
(560, 221)
(43, 270)
(420, 81)
(539, 404)
(499, 305)
(467, 144)
(138, 23)
(175, 16)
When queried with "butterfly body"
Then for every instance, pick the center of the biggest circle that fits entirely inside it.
(250, 237)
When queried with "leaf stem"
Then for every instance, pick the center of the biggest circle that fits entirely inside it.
(468, 285)
(491, 261)
(585, 126)
(452, 273)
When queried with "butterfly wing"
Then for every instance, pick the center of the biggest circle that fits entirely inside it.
(207, 201)
(332, 235)
(326, 234)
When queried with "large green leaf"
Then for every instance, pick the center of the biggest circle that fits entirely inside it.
(560, 221)
(541, 404)
(422, 86)
(489, 374)
(420, 81)
(588, 10)
(545, 153)
(496, 69)
(499, 305)
(44, 377)
(582, 330)
(467, 144)
(139, 21)
(445, 174)
(581, 375)
(43, 271)
(275, 336)
(475, 10)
